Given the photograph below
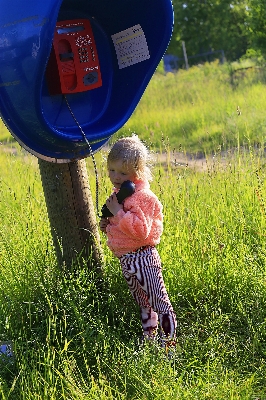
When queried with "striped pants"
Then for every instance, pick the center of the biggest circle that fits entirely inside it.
(143, 273)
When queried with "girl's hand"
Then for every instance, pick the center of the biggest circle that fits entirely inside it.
(113, 205)
(103, 224)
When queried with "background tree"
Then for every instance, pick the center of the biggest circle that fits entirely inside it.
(208, 25)
(257, 24)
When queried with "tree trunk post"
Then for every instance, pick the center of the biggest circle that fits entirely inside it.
(71, 214)
(185, 54)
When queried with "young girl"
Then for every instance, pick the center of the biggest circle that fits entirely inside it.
(132, 234)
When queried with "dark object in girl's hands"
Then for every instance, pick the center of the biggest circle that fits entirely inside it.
(126, 190)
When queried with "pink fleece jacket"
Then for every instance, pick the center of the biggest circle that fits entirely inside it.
(139, 223)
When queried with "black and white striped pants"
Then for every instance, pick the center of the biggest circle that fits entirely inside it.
(143, 273)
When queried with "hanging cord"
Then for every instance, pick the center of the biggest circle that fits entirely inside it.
(92, 156)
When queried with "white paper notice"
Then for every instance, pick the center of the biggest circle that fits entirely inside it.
(130, 46)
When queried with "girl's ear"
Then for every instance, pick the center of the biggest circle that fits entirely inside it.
(136, 175)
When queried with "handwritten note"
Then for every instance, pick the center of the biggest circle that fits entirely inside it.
(130, 46)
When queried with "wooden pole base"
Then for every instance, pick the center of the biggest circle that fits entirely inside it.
(71, 214)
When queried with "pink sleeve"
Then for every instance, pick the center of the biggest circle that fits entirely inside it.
(137, 221)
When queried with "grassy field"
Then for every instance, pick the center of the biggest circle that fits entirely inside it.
(72, 341)
(205, 109)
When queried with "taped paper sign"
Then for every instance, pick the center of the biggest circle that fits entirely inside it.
(131, 46)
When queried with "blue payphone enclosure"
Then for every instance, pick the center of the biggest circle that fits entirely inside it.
(130, 36)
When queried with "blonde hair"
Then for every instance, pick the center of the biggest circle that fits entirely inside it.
(134, 155)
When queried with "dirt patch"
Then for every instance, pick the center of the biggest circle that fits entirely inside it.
(189, 161)
(196, 162)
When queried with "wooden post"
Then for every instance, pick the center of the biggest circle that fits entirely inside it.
(71, 214)
(185, 55)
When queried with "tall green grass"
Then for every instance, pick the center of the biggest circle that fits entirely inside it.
(74, 341)
(207, 108)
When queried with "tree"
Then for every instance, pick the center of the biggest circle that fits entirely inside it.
(208, 25)
(257, 24)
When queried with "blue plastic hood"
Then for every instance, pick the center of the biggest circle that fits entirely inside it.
(130, 38)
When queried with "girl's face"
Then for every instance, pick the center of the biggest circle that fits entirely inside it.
(119, 173)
